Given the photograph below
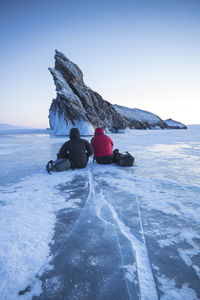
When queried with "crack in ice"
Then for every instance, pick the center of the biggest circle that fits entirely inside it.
(145, 276)
(64, 241)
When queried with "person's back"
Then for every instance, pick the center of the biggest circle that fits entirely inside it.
(76, 149)
(103, 147)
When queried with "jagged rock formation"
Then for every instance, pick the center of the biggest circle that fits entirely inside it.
(174, 124)
(76, 105)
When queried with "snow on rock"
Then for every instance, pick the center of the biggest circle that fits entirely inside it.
(63, 88)
(140, 119)
(174, 124)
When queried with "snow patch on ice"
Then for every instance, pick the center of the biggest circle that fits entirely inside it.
(189, 253)
(131, 271)
(93, 260)
(26, 230)
(53, 284)
(168, 287)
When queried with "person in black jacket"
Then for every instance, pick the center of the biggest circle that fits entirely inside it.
(77, 150)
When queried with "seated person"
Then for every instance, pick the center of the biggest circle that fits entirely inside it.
(103, 147)
(77, 150)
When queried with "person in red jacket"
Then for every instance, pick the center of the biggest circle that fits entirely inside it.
(103, 147)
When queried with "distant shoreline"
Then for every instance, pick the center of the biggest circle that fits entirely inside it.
(23, 131)
(6, 131)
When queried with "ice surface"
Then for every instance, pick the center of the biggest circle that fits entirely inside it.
(103, 232)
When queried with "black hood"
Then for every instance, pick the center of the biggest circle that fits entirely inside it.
(74, 133)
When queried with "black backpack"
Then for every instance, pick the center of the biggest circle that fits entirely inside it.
(124, 159)
(59, 165)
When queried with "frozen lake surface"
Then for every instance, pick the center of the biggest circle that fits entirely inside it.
(103, 232)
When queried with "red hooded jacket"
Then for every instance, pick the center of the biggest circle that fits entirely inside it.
(102, 144)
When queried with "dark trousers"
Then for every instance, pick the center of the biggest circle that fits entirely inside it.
(105, 160)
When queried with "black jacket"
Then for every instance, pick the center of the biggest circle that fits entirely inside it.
(76, 149)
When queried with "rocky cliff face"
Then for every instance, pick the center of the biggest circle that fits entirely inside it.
(76, 105)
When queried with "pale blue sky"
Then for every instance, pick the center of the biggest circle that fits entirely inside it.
(143, 54)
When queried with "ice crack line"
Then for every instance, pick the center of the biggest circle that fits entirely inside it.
(98, 206)
(145, 276)
(65, 240)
